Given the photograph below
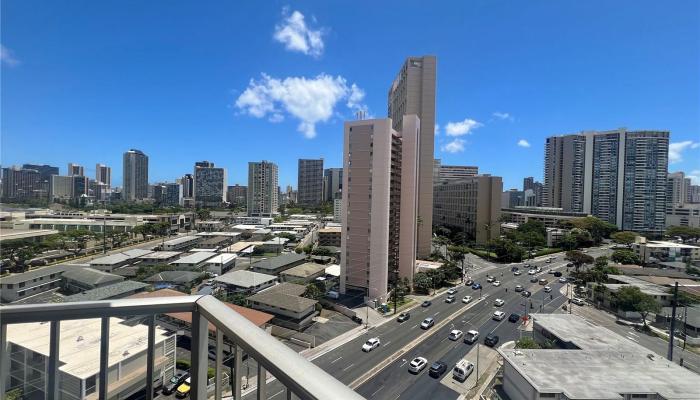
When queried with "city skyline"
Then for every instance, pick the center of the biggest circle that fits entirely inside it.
(147, 106)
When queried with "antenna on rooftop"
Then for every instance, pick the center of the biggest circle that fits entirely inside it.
(360, 115)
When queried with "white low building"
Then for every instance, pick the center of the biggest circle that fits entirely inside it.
(220, 263)
(193, 261)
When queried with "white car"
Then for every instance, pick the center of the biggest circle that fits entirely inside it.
(577, 301)
(497, 283)
(517, 273)
(471, 336)
(417, 364)
(427, 323)
(562, 280)
(547, 289)
(450, 299)
(499, 302)
(456, 334)
(531, 272)
(490, 279)
(452, 291)
(371, 344)
(466, 299)
(498, 315)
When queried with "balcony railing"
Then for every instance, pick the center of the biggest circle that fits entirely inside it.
(300, 377)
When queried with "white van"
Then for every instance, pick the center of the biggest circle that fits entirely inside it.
(462, 370)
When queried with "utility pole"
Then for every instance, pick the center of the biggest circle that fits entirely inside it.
(104, 232)
(674, 303)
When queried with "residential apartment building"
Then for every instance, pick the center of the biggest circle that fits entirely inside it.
(263, 196)
(693, 194)
(332, 183)
(45, 173)
(677, 188)
(237, 195)
(103, 174)
(135, 177)
(75, 169)
(310, 182)
(20, 184)
(447, 173)
(379, 205)
(209, 184)
(471, 205)
(683, 215)
(413, 92)
(532, 192)
(619, 176)
(187, 188)
(512, 198)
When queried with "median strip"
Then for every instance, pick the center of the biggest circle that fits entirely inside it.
(377, 368)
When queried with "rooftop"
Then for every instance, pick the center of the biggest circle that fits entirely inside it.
(33, 274)
(194, 258)
(160, 255)
(174, 276)
(644, 286)
(672, 245)
(111, 259)
(114, 290)
(281, 298)
(305, 270)
(183, 239)
(244, 278)
(331, 230)
(215, 240)
(282, 260)
(80, 342)
(222, 258)
(240, 246)
(91, 276)
(259, 318)
(14, 234)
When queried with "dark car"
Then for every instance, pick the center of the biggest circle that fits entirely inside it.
(403, 317)
(476, 286)
(514, 317)
(491, 340)
(513, 269)
(533, 279)
(357, 319)
(526, 293)
(174, 382)
(557, 274)
(438, 368)
(426, 303)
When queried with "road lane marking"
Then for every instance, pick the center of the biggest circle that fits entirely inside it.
(632, 333)
(377, 391)
(403, 363)
(387, 343)
(632, 339)
(348, 367)
(414, 327)
(437, 313)
(276, 394)
(337, 359)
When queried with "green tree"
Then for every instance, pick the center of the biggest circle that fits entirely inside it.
(322, 251)
(17, 254)
(598, 228)
(625, 257)
(630, 298)
(601, 262)
(507, 251)
(78, 240)
(313, 292)
(578, 259)
(624, 237)
(527, 343)
(457, 254)
(422, 283)
(246, 235)
(287, 235)
(686, 233)
(203, 214)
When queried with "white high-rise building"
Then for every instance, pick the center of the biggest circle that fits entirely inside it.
(677, 189)
(135, 175)
(263, 189)
(103, 174)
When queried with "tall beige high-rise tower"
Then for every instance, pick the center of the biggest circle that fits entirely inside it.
(413, 92)
(378, 213)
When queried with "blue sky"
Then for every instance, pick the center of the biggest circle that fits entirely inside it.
(232, 82)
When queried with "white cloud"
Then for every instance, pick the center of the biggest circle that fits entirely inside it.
(455, 146)
(310, 100)
(523, 143)
(437, 129)
(7, 57)
(675, 150)
(694, 176)
(297, 36)
(461, 128)
(503, 115)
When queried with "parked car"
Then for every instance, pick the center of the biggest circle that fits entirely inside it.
(518, 288)
(427, 323)
(466, 299)
(417, 365)
(498, 315)
(371, 344)
(491, 340)
(499, 302)
(404, 316)
(438, 368)
(462, 370)
(177, 380)
(426, 303)
(455, 334)
(184, 389)
(514, 317)
(357, 319)
(578, 301)
(471, 336)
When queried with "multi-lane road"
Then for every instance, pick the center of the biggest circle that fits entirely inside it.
(383, 373)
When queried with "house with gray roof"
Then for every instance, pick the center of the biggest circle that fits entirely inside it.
(113, 291)
(275, 265)
(245, 281)
(173, 279)
(285, 302)
(19, 286)
(304, 273)
(77, 280)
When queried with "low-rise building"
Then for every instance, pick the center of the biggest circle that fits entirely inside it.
(650, 251)
(159, 258)
(275, 265)
(303, 273)
(20, 286)
(113, 261)
(274, 245)
(550, 217)
(286, 303)
(590, 362)
(215, 242)
(117, 290)
(241, 248)
(329, 237)
(182, 243)
(174, 279)
(555, 235)
(244, 281)
(79, 358)
(603, 294)
(76, 280)
(220, 263)
(192, 261)
(425, 265)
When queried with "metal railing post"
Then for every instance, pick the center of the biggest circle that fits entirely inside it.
(104, 358)
(54, 340)
(217, 373)
(150, 355)
(262, 382)
(199, 355)
(4, 358)
(237, 372)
